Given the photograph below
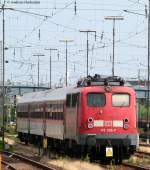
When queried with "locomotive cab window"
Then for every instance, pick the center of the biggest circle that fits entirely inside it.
(96, 99)
(120, 100)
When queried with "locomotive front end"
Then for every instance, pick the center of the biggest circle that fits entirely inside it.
(109, 122)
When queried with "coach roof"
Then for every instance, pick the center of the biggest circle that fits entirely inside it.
(47, 95)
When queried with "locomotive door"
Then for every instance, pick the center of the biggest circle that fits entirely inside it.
(71, 116)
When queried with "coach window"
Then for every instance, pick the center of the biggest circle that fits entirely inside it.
(22, 111)
(120, 100)
(33, 108)
(50, 115)
(41, 107)
(68, 101)
(96, 99)
(48, 107)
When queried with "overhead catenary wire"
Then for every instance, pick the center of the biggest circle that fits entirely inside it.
(46, 17)
(136, 2)
(96, 47)
(39, 15)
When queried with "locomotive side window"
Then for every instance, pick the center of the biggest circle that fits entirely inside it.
(120, 99)
(75, 98)
(68, 101)
(96, 99)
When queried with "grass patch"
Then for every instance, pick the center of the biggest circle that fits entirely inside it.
(139, 161)
(11, 129)
(11, 136)
(85, 158)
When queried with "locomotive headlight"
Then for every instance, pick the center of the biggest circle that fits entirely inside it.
(90, 119)
(125, 126)
(126, 120)
(90, 125)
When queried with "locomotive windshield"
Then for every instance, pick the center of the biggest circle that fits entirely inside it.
(96, 99)
(120, 99)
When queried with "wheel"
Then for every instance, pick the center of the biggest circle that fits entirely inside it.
(118, 160)
(92, 155)
(26, 142)
(119, 156)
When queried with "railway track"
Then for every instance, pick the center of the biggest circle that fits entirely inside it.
(7, 165)
(136, 167)
(144, 144)
(24, 160)
(124, 166)
(38, 165)
(142, 154)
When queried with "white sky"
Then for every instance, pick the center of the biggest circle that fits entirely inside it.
(22, 29)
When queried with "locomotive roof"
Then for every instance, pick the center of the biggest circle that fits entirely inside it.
(47, 95)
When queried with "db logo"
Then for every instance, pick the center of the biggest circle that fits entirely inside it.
(108, 123)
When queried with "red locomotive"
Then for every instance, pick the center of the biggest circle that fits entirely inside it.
(97, 117)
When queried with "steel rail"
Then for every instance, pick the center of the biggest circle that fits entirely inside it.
(145, 145)
(8, 165)
(29, 161)
(43, 166)
(137, 167)
(143, 153)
